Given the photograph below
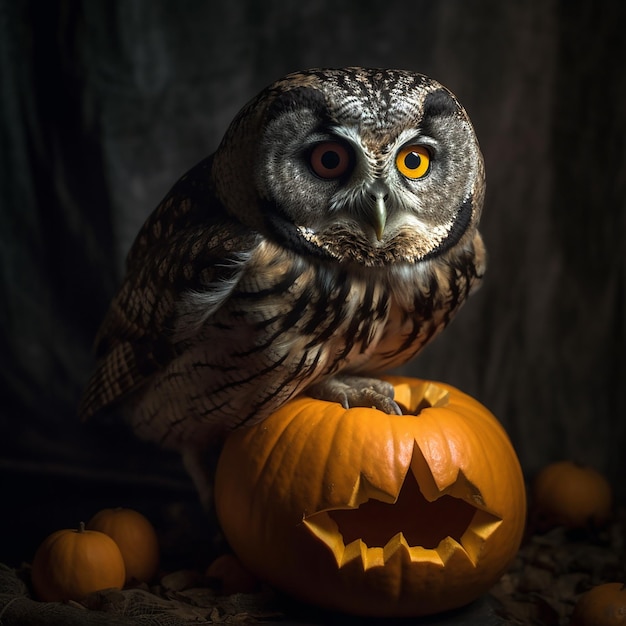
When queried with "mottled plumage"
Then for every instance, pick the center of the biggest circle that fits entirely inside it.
(306, 249)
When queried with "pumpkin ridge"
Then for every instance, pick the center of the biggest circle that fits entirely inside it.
(494, 437)
(452, 429)
(269, 471)
(329, 461)
(364, 488)
(347, 425)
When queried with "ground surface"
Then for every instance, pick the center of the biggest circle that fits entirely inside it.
(551, 571)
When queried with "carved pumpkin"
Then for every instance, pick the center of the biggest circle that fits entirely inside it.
(135, 537)
(603, 605)
(70, 564)
(572, 495)
(375, 514)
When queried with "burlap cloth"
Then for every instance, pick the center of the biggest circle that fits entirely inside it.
(183, 598)
(180, 599)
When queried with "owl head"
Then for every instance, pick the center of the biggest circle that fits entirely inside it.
(361, 166)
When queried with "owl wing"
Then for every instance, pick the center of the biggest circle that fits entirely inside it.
(188, 243)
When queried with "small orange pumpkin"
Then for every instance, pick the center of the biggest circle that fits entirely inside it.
(375, 514)
(603, 605)
(135, 537)
(572, 495)
(70, 564)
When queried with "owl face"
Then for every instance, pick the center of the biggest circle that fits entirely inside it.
(360, 166)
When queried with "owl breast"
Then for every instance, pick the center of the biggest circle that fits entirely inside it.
(289, 322)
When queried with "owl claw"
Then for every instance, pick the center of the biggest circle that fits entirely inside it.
(357, 391)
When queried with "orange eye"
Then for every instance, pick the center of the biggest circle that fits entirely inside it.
(330, 159)
(413, 161)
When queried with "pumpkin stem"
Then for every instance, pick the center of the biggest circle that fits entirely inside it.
(81, 527)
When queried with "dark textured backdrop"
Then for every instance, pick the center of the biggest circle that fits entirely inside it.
(104, 104)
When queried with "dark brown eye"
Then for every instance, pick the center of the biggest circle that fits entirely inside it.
(330, 159)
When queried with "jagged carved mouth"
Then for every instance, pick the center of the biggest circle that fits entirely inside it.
(427, 522)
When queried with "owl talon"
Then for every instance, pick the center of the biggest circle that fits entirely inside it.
(356, 391)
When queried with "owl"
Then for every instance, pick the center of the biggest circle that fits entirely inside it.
(330, 237)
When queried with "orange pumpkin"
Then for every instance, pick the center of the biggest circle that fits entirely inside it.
(136, 538)
(572, 495)
(375, 514)
(603, 605)
(70, 564)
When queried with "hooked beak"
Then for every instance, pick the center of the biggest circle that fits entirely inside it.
(377, 193)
